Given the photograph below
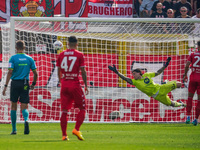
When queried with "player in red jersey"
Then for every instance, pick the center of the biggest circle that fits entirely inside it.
(69, 63)
(194, 83)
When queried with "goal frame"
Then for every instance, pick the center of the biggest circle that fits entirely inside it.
(63, 19)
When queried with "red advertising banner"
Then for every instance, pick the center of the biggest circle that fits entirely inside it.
(110, 8)
(42, 8)
(67, 8)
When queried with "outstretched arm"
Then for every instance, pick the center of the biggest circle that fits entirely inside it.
(163, 68)
(113, 68)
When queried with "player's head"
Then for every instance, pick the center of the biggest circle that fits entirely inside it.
(137, 73)
(72, 42)
(20, 45)
(159, 6)
(198, 45)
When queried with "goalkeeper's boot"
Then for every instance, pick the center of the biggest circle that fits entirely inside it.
(78, 134)
(188, 120)
(65, 138)
(13, 133)
(26, 128)
(195, 122)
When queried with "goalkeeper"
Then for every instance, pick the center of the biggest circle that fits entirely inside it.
(144, 83)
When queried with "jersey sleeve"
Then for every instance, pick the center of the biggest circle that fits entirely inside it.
(190, 57)
(33, 66)
(11, 63)
(133, 80)
(82, 61)
(150, 74)
(58, 61)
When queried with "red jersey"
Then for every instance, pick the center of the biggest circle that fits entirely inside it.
(194, 58)
(70, 62)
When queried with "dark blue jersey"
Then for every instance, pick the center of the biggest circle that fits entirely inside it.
(21, 65)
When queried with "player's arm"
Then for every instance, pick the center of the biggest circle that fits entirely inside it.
(113, 68)
(164, 66)
(7, 81)
(59, 74)
(35, 76)
(187, 65)
(84, 77)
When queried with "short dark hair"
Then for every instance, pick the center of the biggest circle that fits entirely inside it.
(198, 43)
(20, 45)
(138, 71)
(72, 39)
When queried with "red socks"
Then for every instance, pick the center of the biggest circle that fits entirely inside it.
(197, 109)
(189, 106)
(63, 123)
(80, 118)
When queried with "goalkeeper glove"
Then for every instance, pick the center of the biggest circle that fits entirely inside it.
(113, 69)
(167, 62)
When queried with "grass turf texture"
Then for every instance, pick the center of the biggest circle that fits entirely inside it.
(47, 136)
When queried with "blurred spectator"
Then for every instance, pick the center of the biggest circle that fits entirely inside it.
(170, 27)
(170, 13)
(145, 8)
(184, 28)
(159, 13)
(165, 6)
(183, 12)
(173, 2)
(137, 6)
(182, 3)
(196, 30)
(196, 5)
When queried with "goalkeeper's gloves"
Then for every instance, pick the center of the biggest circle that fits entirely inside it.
(167, 62)
(113, 69)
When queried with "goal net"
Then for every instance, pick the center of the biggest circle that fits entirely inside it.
(127, 43)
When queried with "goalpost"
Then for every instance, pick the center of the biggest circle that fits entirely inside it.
(127, 43)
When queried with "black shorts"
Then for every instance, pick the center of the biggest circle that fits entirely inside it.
(19, 91)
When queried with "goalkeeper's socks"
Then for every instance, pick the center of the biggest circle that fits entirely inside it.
(80, 118)
(13, 115)
(25, 114)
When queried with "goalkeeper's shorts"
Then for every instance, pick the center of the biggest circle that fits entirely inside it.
(164, 90)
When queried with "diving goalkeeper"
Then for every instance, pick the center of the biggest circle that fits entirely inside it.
(145, 83)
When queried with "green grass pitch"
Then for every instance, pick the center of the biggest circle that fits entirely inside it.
(128, 136)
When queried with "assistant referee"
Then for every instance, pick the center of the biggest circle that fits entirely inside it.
(19, 70)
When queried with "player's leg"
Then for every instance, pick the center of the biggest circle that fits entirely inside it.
(14, 95)
(66, 104)
(13, 115)
(25, 115)
(189, 107)
(79, 99)
(24, 99)
(165, 89)
(197, 109)
(63, 124)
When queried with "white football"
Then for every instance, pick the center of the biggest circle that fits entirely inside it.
(58, 45)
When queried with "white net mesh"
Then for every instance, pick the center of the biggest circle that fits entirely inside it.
(127, 43)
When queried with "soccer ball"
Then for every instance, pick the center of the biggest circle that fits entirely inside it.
(58, 45)
(114, 115)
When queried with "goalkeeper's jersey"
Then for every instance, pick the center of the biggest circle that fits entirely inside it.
(146, 84)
